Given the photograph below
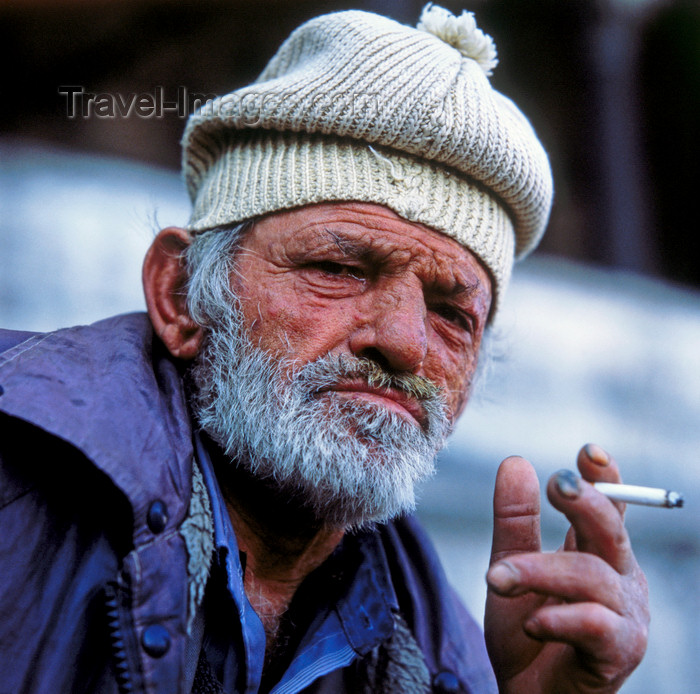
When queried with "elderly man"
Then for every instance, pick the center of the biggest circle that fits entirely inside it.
(218, 499)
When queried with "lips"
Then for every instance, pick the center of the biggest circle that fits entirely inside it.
(391, 398)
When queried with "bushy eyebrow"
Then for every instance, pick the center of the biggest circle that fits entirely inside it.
(464, 290)
(363, 251)
(347, 246)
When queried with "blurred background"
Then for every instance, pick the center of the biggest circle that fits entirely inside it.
(599, 339)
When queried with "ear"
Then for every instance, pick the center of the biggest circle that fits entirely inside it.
(164, 284)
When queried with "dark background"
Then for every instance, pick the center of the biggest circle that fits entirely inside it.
(611, 86)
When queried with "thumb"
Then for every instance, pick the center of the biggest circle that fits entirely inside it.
(516, 509)
(516, 529)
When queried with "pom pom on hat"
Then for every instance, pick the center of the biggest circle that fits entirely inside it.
(460, 33)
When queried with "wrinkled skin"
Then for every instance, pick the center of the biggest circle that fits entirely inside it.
(345, 279)
(356, 279)
(575, 620)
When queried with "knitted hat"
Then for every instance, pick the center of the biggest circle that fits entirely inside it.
(355, 106)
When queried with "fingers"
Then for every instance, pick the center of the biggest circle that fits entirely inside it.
(597, 523)
(591, 628)
(596, 465)
(588, 625)
(516, 530)
(570, 576)
(578, 615)
(516, 509)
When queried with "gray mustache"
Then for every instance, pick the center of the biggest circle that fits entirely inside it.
(327, 371)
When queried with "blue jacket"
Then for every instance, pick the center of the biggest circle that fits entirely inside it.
(96, 460)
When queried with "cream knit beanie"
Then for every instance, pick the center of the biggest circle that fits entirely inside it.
(355, 106)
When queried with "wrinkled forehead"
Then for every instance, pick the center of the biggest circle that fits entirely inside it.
(370, 234)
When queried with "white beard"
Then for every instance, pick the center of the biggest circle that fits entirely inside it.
(348, 462)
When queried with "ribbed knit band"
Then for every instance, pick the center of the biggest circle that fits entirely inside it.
(355, 106)
(275, 171)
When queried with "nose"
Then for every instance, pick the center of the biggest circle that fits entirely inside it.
(393, 331)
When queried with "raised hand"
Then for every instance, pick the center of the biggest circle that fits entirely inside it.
(575, 620)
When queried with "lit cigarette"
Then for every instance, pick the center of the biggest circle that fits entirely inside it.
(645, 496)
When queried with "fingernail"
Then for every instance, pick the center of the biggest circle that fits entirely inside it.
(596, 454)
(533, 628)
(503, 577)
(568, 484)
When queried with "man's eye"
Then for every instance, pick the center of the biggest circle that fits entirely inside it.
(454, 315)
(340, 270)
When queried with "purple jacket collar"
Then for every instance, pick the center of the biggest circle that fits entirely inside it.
(56, 381)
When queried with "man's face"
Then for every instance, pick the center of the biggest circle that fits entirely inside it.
(356, 279)
(345, 359)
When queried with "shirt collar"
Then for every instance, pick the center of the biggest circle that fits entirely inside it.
(366, 608)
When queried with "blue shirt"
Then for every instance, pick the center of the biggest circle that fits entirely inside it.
(337, 634)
